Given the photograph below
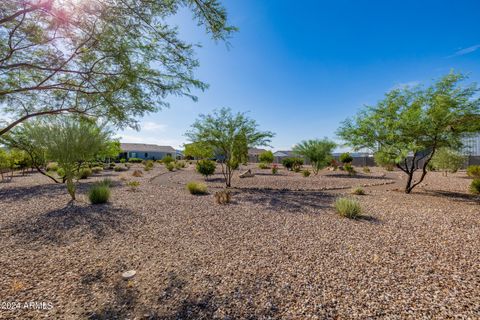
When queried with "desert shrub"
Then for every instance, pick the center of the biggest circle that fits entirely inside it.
(52, 166)
(168, 159)
(206, 167)
(366, 170)
(196, 187)
(170, 166)
(135, 160)
(345, 158)
(223, 197)
(137, 173)
(349, 168)
(274, 169)
(160, 161)
(266, 157)
(358, 191)
(133, 185)
(263, 165)
(306, 173)
(292, 163)
(149, 164)
(84, 173)
(180, 164)
(349, 208)
(123, 160)
(120, 168)
(475, 186)
(447, 160)
(97, 169)
(99, 193)
(473, 171)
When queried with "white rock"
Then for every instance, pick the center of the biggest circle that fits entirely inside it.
(128, 274)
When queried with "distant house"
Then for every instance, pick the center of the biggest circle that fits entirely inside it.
(146, 151)
(254, 153)
(278, 156)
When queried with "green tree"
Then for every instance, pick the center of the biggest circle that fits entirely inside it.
(318, 152)
(5, 162)
(448, 160)
(230, 135)
(266, 157)
(70, 143)
(111, 150)
(409, 125)
(196, 150)
(105, 58)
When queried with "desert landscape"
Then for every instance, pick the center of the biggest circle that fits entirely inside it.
(278, 250)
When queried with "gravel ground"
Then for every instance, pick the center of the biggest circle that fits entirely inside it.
(278, 251)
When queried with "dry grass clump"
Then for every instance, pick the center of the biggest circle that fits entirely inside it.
(358, 191)
(366, 170)
(473, 171)
(306, 173)
(170, 166)
(223, 197)
(133, 185)
(348, 208)
(197, 187)
(137, 173)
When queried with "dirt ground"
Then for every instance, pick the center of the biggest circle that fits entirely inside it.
(278, 251)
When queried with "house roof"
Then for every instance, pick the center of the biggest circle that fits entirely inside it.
(255, 151)
(284, 153)
(142, 147)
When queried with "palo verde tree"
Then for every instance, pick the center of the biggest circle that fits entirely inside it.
(197, 150)
(448, 160)
(107, 58)
(230, 135)
(409, 125)
(318, 152)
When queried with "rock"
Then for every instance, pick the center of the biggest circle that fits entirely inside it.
(128, 274)
(247, 174)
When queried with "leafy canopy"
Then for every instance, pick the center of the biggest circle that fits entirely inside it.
(410, 124)
(116, 59)
(230, 135)
(318, 152)
(266, 157)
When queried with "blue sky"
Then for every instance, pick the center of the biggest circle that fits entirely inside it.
(301, 67)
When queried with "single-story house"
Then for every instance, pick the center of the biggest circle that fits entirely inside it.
(145, 151)
(278, 156)
(254, 154)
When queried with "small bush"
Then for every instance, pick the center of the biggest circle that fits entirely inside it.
(366, 170)
(197, 187)
(149, 165)
(306, 173)
(99, 193)
(180, 164)
(292, 163)
(473, 171)
(206, 167)
(133, 185)
(147, 168)
(346, 158)
(168, 159)
(123, 160)
(475, 186)
(52, 166)
(135, 160)
(348, 208)
(97, 169)
(334, 164)
(349, 168)
(358, 191)
(120, 168)
(263, 165)
(170, 166)
(223, 197)
(84, 173)
(137, 173)
(266, 157)
(274, 169)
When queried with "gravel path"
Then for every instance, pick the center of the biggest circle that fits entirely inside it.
(278, 251)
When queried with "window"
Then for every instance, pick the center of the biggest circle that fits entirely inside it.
(146, 155)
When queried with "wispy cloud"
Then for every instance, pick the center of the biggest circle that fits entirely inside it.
(465, 51)
(153, 126)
